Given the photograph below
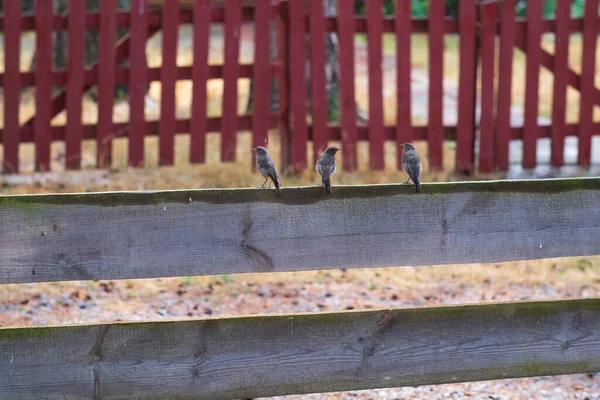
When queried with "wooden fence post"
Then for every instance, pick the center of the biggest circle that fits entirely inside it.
(283, 82)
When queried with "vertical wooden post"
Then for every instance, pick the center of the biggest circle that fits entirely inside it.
(198, 118)
(505, 67)
(374, 37)
(403, 88)
(345, 23)
(73, 134)
(297, 88)
(168, 78)
(283, 83)
(465, 132)
(262, 72)
(435, 131)
(137, 81)
(488, 13)
(106, 82)
(588, 68)
(12, 85)
(231, 72)
(559, 95)
(317, 76)
(43, 84)
(532, 75)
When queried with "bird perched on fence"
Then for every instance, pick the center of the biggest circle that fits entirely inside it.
(266, 167)
(326, 167)
(411, 162)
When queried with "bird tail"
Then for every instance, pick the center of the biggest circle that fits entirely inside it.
(327, 184)
(277, 188)
(418, 186)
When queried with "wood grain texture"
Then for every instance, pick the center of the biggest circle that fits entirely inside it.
(182, 233)
(256, 356)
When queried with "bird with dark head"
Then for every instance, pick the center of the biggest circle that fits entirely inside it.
(326, 167)
(411, 162)
(267, 168)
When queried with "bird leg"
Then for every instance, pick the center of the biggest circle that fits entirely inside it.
(265, 182)
(408, 180)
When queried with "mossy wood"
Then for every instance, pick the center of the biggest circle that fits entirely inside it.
(256, 356)
(183, 233)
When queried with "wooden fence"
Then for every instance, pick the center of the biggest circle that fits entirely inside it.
(478, 26)
(181, 233)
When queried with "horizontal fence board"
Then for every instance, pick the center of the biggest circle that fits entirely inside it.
(60, 77)
(256, 356)
(122, 235)
(419, 25)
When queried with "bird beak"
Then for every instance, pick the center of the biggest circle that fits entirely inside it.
(254, 149)
(403, 146)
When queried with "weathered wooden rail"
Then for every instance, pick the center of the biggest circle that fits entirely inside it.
(195, 232)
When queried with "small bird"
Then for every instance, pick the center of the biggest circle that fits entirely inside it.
(326, 167)
(411, 162)
(266, 167)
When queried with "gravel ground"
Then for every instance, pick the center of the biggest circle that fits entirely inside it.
(196, 297)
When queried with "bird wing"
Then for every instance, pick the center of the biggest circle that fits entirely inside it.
(413, 165)
(325, 169)
(268, 166)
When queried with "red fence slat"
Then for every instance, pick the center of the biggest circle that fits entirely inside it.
(262, 75)
(505, 67)
(588, 59)
(199, 78)
(374, 36)
(298, 126)
(561, 66)
(12, 86)
(465, 134)
(233, 19)
(75, 84)
(532, 73)
(168, 76)
(317, 75)
(106, 82)
(489, 17)
(347, 101)
(403, 85)
(283, 81)
(137, 81)
(436, 84)
(43, 77)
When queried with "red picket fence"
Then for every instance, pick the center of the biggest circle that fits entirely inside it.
(478, 26)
